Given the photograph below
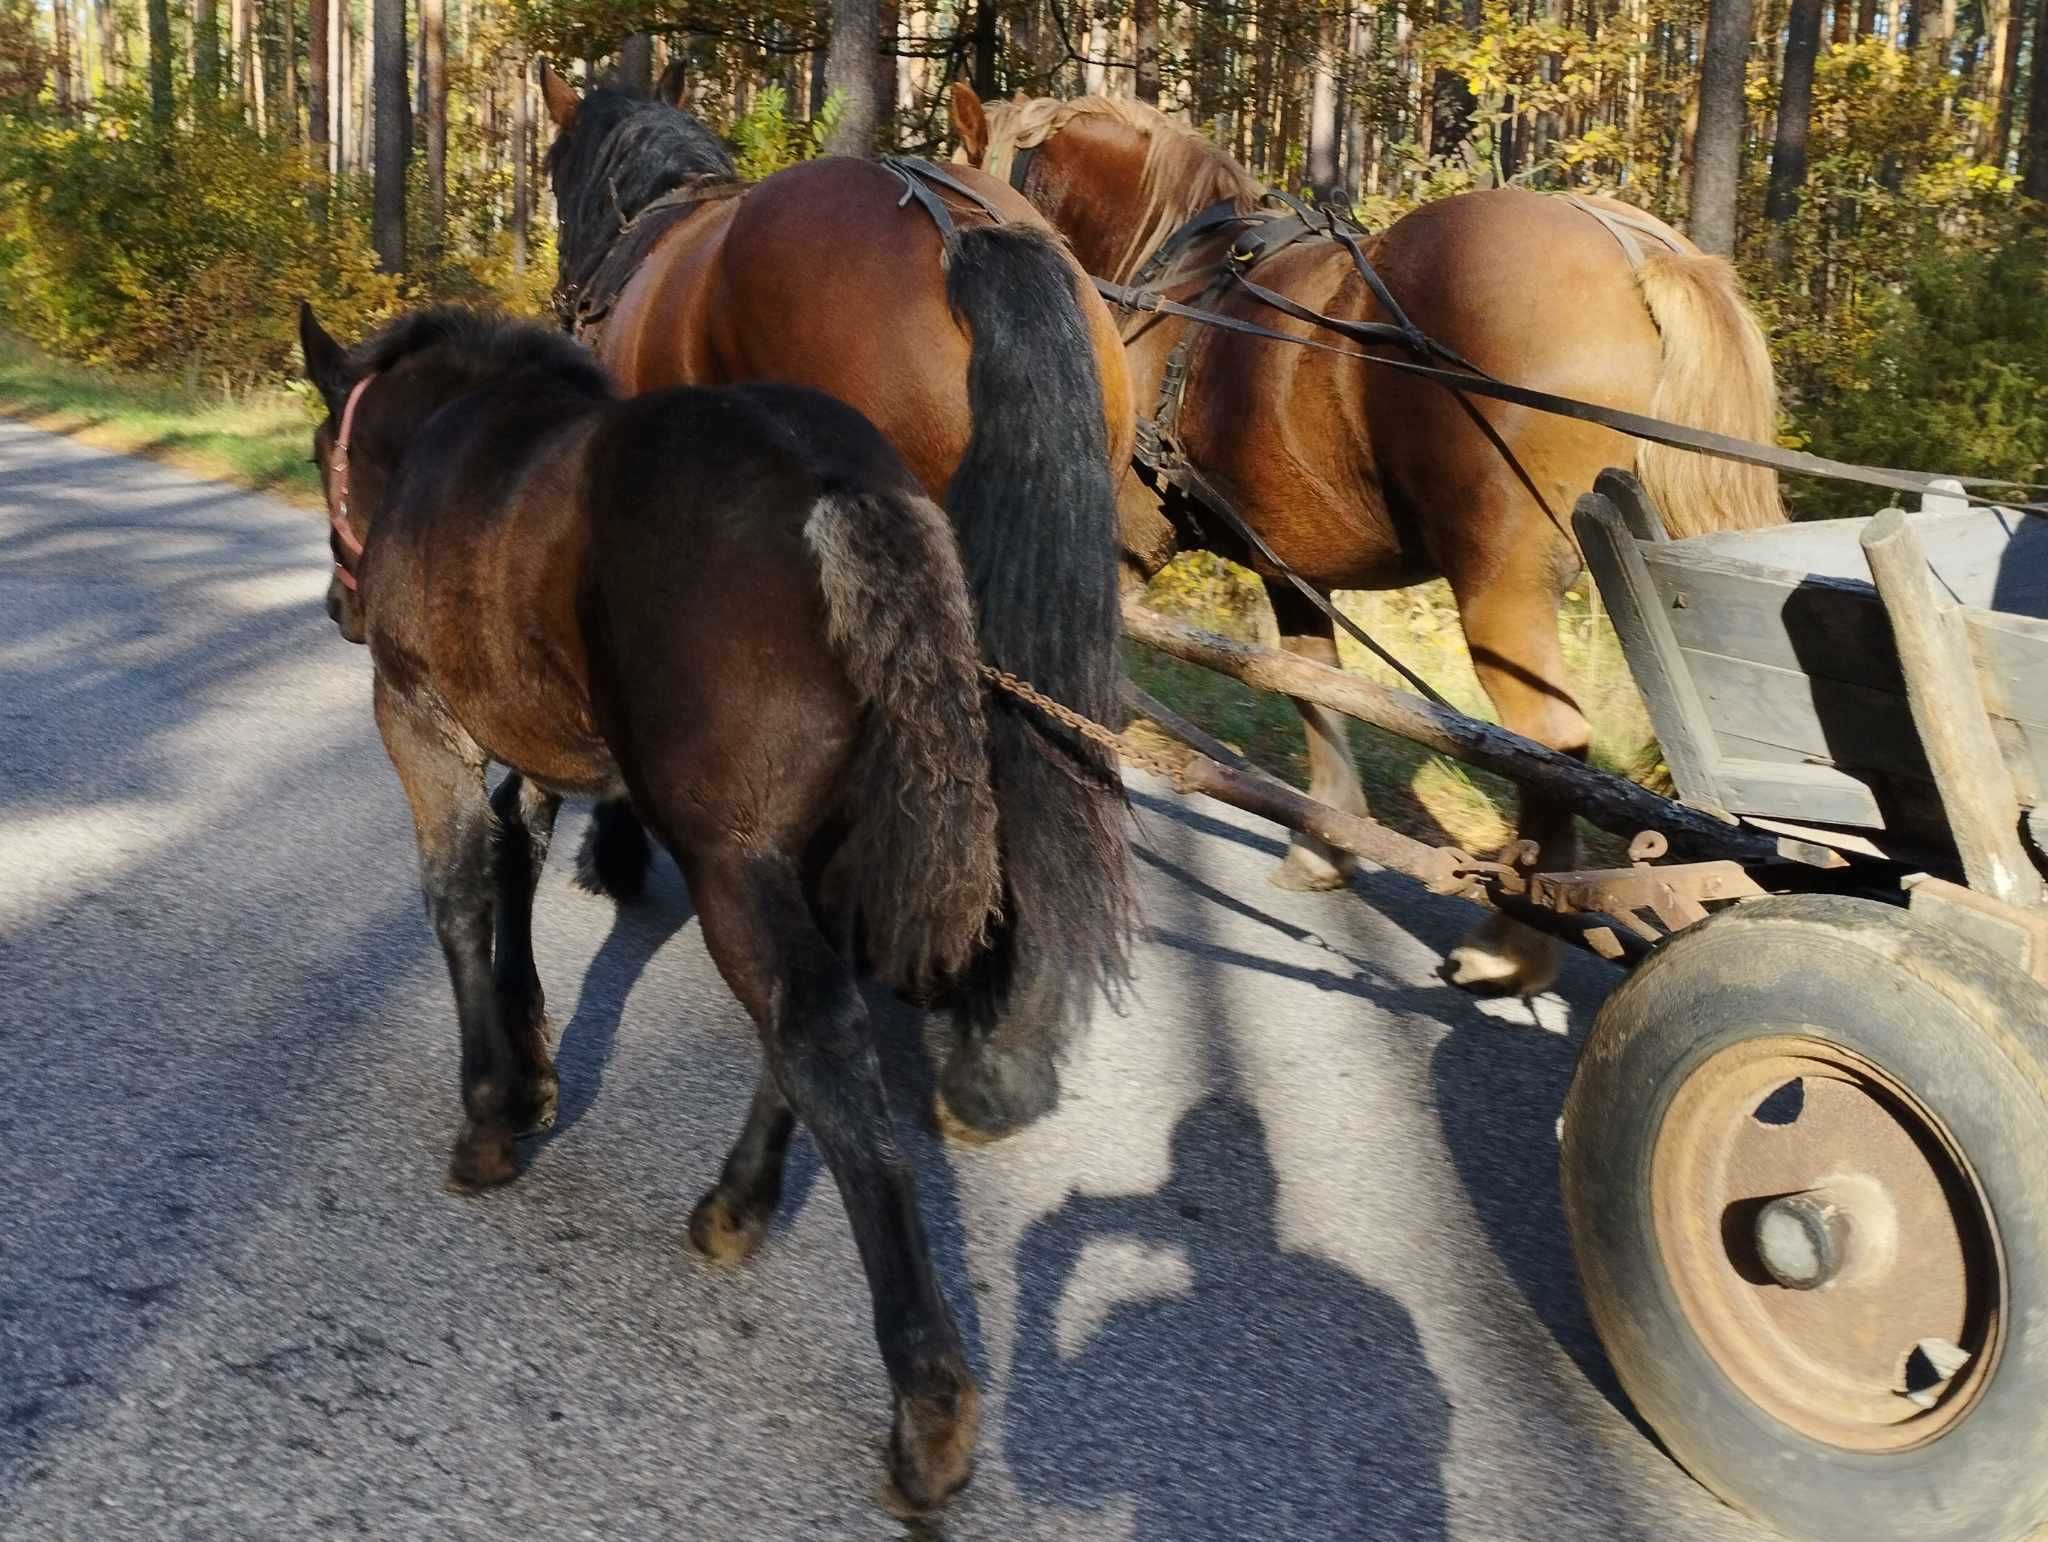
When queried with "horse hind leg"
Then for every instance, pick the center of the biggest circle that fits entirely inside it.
(1310, 864)
(525, 826)
(730, 1220)
(1511, 629)
(820, 1051)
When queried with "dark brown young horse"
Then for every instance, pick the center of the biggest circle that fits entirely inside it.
(738, 606)
(1362, 479)
(990, 364)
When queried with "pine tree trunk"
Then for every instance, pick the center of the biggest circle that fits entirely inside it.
(434, 71)
(205, 50)
(2007, 86)
(388, 108)
(522, 182)
(2034, 179)
(317, 78)
(1717, 145)
(888, 30)
(1323, 173)
(60, 53)
(1145, 23)
(985, 49)
(850, 73)
(160, 106)
(1795, 120)
(636, 63)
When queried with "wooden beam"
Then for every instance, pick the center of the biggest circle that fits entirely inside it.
(1955, 730)
(1611, 802)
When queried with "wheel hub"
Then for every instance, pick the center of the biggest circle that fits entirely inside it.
(1828, 1243)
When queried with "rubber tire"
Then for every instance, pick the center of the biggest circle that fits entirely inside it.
(1967, 1034)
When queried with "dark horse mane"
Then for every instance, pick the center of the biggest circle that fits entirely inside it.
(620, 154)
(483, 344)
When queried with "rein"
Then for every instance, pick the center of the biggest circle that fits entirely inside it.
(345, 542)
(1460, 375)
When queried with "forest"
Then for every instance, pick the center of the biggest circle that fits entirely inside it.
(173, 179)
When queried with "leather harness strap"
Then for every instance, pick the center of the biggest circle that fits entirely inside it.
(345, 542)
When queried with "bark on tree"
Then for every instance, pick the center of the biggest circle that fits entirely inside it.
(205, 50)
(1795, 122)
(985, 49)
(317, 77)
(160, 63)
(1453, 106)
(636, 63)
(1323, 175)
(850, 73)
(522, 183)
(1717, 144)
(888, 29)
(434, 72)
(60, 42)
(388, 107)
(2034, 181)
(111, 43)
(2008, 84)
(1145, 23)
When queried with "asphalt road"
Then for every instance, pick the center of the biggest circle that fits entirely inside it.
(1288, 1263)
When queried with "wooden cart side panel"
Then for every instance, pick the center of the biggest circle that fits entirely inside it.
(1683, 727)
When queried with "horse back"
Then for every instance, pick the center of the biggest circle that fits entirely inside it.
(822, 276)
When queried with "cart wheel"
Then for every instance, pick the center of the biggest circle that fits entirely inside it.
(1805, 1167)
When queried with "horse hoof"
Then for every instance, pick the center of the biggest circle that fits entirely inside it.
(1509, 961)
(1303, 871)
(990, 1094)
(543, 1104)
(483, 1158)
(931, 1448)
(723, 1234)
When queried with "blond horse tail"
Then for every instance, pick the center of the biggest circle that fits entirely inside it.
(1716, 376)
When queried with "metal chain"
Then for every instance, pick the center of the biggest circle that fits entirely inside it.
(1086, 727)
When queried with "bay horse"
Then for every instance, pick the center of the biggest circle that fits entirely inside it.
(737, 606)
(986, 359)
(1361, 479)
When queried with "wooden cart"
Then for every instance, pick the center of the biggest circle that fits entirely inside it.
(1805, 1152)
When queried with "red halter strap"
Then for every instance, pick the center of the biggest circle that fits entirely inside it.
(346, 544)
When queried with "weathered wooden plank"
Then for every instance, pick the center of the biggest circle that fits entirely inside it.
(1632, 503)
(1976, 790)
(1828, 627)
(1817, 794)
(1683, 725)
(1826, 721)
(1611, 802)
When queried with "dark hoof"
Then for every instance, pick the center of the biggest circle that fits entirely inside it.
(615, 855)
(931, 1449)
(721, 1233)
(986, 1094)
(1305, 870)
(533, 1111)
(484, 1157)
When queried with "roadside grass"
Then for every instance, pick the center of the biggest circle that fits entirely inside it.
(1426, 795)
(261, 439)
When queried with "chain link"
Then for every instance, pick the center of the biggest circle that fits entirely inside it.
(1086, 727)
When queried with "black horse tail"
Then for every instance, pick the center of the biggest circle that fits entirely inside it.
(1034, 505)
(918, 868)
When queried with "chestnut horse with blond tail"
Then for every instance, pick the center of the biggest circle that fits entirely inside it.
(963, 329)
(1359, 478)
